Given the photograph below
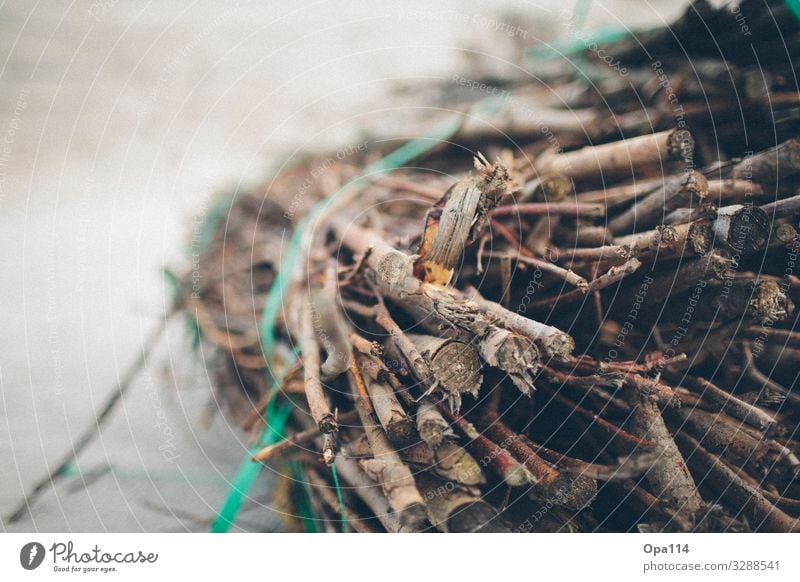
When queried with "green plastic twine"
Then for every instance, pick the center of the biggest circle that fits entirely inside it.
(574, 47)
(794, 7)
(339, 497)
(303, 498)
(248, 470)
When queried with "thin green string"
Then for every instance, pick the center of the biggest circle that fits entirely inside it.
(345, 528)
(303, 499)
(794, 7)
(574, 47)
(580, 12)
(248, 470)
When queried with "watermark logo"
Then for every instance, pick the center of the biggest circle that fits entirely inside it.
(31, 555)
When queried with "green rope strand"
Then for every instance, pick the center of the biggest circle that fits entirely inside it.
(794, 7)
(345, 529)
(248, 470)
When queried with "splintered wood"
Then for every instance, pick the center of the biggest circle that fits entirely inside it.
(594, 331)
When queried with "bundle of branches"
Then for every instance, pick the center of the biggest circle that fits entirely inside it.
(584, 334)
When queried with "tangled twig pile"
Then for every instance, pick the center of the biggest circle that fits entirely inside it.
(595, 331)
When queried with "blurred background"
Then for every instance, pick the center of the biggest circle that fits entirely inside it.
(119, 121)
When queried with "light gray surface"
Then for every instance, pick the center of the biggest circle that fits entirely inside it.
(118, 121)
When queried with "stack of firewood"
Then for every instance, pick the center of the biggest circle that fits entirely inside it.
(576, 315)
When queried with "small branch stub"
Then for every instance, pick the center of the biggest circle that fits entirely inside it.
(459, 219)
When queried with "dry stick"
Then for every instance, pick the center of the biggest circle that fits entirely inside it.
(399, 183)
(449, 461)
(621, 194)
(364, 345)
(528, 120)
(782, 452)
(618, 253)
(256, 414)
(567, 275)
(650, 505)
(584, 235)
(683, 215)
(724, 437)
(589, 365)
(496, 458)
(463, 219)
(361, 387)
(664, 395)
(403, 343)
(614, 275)
(440, 312)
(670, 242)
(315, 394)
(490, 425)
(778, 500)
(505, 281)
(649, 243)
(770, 166)
(727, 402)
(686, 190)
(298, 440)
(398, 425)
(540, 233)
(455, 463)
(741, 298)
(330, 329)
(389, 470)
(745, 229)
(355, 269)
(620, 156)
(782, 235)
(751, 369)
(513, 353)
(214, 334)
(452, 510)
(554, 342)
(86, 437)
(507, 234)
(392, 267)
(546, 208)
(601, 422)
(783, 337)
(324, 490)
(455, 365)
(431, 425)
(628, 467)
(730, 486)
(709, 267)
(733, 190)
(523, 255)
(546, 188)
(447, 309)
(370, 493)
(590, 384)
(669, 478)
(786, 207)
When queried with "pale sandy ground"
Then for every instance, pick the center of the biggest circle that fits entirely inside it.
(118, 120)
